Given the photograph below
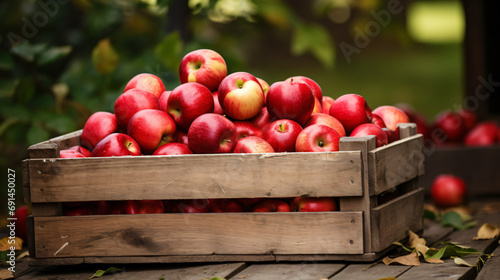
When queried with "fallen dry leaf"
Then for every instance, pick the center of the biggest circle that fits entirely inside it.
(23, 254)
(410, 259)
(487, 231)
(6, 274)
(417, 242)
(388, 278)
(433, 260)
(461, 261)
(5, 245)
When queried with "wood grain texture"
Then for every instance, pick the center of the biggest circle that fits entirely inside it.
(25, 165)
(199, 234)
(406, 130)
(196, 176)
(391, 221)
(366, 202)
(303, 271)
(492, 268)
(64, 141)
(396, 163)
(45, 150)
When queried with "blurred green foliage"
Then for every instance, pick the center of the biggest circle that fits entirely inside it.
(62, 60)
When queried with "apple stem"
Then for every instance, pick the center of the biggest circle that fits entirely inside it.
(321, 144)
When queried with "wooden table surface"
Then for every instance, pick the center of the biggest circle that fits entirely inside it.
(485, 212)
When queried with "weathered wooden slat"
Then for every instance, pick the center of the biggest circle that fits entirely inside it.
(366, 202)
(303, 271)
(196, 176)
(199, 234)
(492, 268)
(391, 221)
(143, 271)
(406, 130)
(396, 163)
(45, 150)
(26, 180)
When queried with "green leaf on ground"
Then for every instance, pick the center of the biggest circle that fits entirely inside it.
(110, 270)
(450, 250)
(453, 219)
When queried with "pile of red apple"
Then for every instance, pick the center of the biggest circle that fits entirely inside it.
(213, 112)
(455, 127)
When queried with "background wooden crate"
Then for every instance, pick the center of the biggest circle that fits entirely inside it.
(359, 175)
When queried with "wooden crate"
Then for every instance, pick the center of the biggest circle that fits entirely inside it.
(360, 175)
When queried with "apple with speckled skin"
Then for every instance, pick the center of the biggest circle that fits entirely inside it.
(116, 144)
(351, 110)
(147, 82)
(203, 66)
(212, 133)
(282, 134)
(290, 100)
(151, 128)
(317, 138)
(241, 96)
(131, 102)
(97, 126)
(189, 101)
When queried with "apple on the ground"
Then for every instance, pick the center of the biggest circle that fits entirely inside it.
(448, 190)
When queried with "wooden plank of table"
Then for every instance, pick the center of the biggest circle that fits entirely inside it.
(303, 271)
(199, 234)
(196, 176)
(144, 271)
(492, 268)
(450, 270)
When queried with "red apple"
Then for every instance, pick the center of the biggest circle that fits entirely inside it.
(241, 96)
(20, 214)
(290, 100)
(70, 154)
(417, 118)
(483, 134)
(163, 100)
(212, 133)
(378, 121)
(392, 116)
(282, 134)
(131, 102)
(188, 206)
(325, 119)
(253, 144)
(181, 136)
(271, 205)
(391, 135)
(469, 117)
(247, 128)
(317, 138)
(151, 128)
(317, 107)
(316, 89)
(264, 85)
(226, 206)
(143, 207)
(203, 66)
(248, 203)
(97, 126)
(146, 82)
(80, 150)
(107, 208)
(351, 110)
(189, 101)
(326, 103)
(217, 107)
(448, 190)
(451, 125)
(116, 144)
(371, 129)
(313, 204)
(77, 211)
(173, 149)
(262, 119)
